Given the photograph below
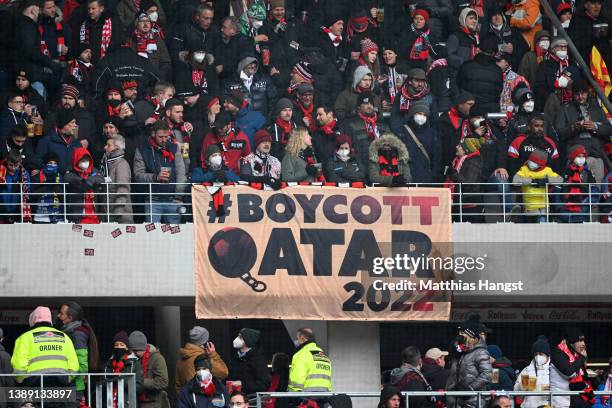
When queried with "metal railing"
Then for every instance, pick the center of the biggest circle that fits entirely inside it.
(481, 396)
(472, 202)
(99, 392)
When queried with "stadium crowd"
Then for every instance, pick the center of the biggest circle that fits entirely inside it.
(274, 91)
(203, 379)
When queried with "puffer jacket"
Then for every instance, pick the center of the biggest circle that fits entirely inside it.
(471, 371)
(263, 94)
(484, 79)
(543, 381)
(403, 160)
(185, 371)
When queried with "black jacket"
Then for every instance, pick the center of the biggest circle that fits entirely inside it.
(228, 54)
(350, 171)
(27, 50)
(187, 34)
(29, 159)
(436, 376)
(585, 36)
(251, 369)
(508, 35)
(95, 36)
(423, 169)
(484, 79)
(439, 13)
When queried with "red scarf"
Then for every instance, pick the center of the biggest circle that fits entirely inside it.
(118, 367)
(573, 197)
(59, 33)
(144, 361)
(113, 111)
(65, 139)
(336, 39)
(442, 62)
(197, 77)
(475, 41)
(157, 113)
(539, 53)
(105, 38)
(370, 125)
(310, 159)
(406, 96)
(168, 155)
(457, 121)
(388, 164)
(421, 46)
(208, 389)
(307, 112)
(142, 41)
(157, 29)
(564, 93)
(458, 161)
(352, 26)
(329, 128)
(284, 125)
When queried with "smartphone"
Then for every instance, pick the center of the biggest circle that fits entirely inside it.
(34, 110)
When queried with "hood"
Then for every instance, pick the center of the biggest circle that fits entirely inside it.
(391, 140)
(185, 57)
(359, 73)
(244, 62)
(190, 350)
(463, 16)
(77, 155)
(387, 392)
(503, 362)
(397, 374)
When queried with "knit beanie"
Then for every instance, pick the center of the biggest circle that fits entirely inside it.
(198, 335)
(64, 117)
(387, 392)
(419, 11)
(576, 150)
(580, 85)
(203, 361)
(223, 119)
(303, 70)
(563, 8)
(51, 156)
(236, 98)
(464, 96)
(494, 351)
(250, 336)
(367, 45)
(210, 150)
(365, 97)
(521, 95)
(540, 34)
(540, 157)
(276, 3)
(261, 136)
(70, 90)
(541, 346)
(304, 87)
(137, 341)
(472, 325)
(39, 315)
(418, 107)
(471, 144)
(343, 138)
(573, 334)
(121, 336)
(283, 103)
(359, 73)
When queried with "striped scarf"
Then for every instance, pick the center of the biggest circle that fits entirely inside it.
(420, 48)
(105, 39)
(142, 42)
(59, 32)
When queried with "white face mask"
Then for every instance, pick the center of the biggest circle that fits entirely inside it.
(420, 119)
(216, 160)
(529, 106)
(566, 23)
(257, 24)
(199, 56)
(532, 165)
(343, 154)
(238, 343)
(84, 165)
(563, 81)
(497, 27)
(153, 16)
(579, 161)
(204, 375)
(562, 54)
(541, 360)
(544, 44)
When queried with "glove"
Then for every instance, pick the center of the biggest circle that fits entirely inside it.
(398, 180)
(274, 183)
(311, 170)
(221, 176)
(541, 182)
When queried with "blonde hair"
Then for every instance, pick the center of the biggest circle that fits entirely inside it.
(296, 140)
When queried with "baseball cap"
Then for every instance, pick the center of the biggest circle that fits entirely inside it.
(435, 353)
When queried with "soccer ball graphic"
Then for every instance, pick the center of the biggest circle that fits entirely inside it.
(232, 252)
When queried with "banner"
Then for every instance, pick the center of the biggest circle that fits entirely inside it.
(312, 252)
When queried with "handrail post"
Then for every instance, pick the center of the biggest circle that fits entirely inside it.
(42, 388)
(65, 202)
(258, 401)
(132, 391)
(479, 400)
(109, 392)
(590, 204)
(99, 390)
(88, 388)
(151, 201)
(108, 205)
(120, 393)
(460, 202)
(21, 203)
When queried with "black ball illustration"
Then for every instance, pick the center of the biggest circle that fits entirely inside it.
(232, 252)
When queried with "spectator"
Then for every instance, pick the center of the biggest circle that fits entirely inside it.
(31, 97)
(391, 397)
(466, 169)
(239, 399)
(14, 189)
(331, 42)
(13, 115)
(347, 99)
(214, 168)
(324, 139)
(345, 166)
(439, 77)
(506, 377)
(80, 70)
(83, 189)
(61, 140)
(463, 44)
(522, 146)
(358, 28)
(260, 166)
(231, 45)
(47, 192)
(415, 89)
(180, 131)
(122, 361)
(532, 59)
(553, 75)
(392, 76)
(279, 380)
(501, 401)
(300, 162)
(158, 161)
(30, 358)
(151, 109)
(311, 369)
(249, 364)
(304, 106)
(482, 77)
(300, 74)
(568, 370)
(196, 68)
(539, 368)
(453, 126)
(19, 142)
(511, 80)
(434, 369)
(565, 12)
(154, 370)
(255, 86)
(509, 39)
(368, 57)
(199, 29)
(388, 162)
(198, 347)
(204, 389)
(364, 127)
(246, 119)
(116, 170)
(534, 176)
(525, 15)
(470, 366)
(409, 378)
(148, 44)
(603, 401)
(524, 105)
(590, 28)
(232, 142)
(6, 368)
(55, 37)
(578, 184)
(421, 140)
(100, 30)
(282, 127)
(252, 24)
(416, 43)
(130, 10)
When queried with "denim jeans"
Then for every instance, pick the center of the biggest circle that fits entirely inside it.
(163, 211)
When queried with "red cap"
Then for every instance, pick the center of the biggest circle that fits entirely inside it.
(576, 151)
(421, 12)
(562, 7)
(262, 136)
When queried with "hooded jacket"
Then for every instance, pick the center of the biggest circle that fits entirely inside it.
(82, 188)
(459, 45)
(526, 17)
(263, 94)
(409, 378)
(185, 370)
(346, 102)
(402, 157)
(470, 371)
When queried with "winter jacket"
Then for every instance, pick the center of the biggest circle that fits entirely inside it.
(402, 157)
(471, 371)
(80, 205)
(293, 169)
(544, 85)
(8, 120)
(236, 144)
(284, 43)
(561, 372)
(185, 370)
(127, 12)
(249, 121)
(346, 102)
(155, 381)
(50, 34)
(46, 198)
(408, 378)
(10, 198)
(542, 383)
(28, 158)
(436, 376)
(120, 203)
(280, 139)
(191, 396)
(355, 127)
(85, 120)
(53, 142)
(95, 29)
(439, 13)
(27, 50)
(189, 34)
(459, 47)
(520, 148)
(494, 152)
(208, 175)
(484, 79)
(422, 168)
(571, 114)
(228, 52)
(584, 35)
(401, 117)
(263, 94)
(439, 80)
(526, 17)
(406, 42)
(350, 171)
(201, 75)
(338, 56)
(258, 168)
(148, 162)
(131, 366)
(159, 59)
(252, 369)
(508, 35)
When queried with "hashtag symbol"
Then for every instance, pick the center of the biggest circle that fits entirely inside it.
(212, 212)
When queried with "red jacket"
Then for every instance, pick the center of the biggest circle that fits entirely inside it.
(233, 147)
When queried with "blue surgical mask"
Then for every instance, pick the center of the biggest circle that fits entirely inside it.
(51, 168)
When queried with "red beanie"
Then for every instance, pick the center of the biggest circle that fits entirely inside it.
(343, 138)
(262, 136)
(367, 45)
(575, 151)
(540, 157)
(421, 12)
